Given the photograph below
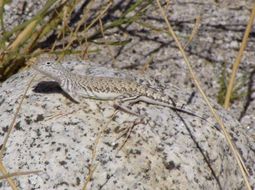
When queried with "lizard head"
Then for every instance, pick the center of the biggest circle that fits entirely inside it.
(51, 69)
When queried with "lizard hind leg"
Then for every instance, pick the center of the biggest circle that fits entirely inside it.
(159, 103)
(125, 108)
(123, 103)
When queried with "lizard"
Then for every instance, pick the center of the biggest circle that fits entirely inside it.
(126, 91)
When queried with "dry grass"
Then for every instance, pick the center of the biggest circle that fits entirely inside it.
(93, 165)
(19, 173)
(239, 58)
(24, 43)
(233, 148)
(25, 40)
(2, 168)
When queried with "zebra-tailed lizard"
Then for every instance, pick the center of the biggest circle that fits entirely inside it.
(124, 91)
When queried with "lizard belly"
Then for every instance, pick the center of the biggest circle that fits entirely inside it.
(104, 95)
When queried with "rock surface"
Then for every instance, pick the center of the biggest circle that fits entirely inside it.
(77, 144)
(45, 138)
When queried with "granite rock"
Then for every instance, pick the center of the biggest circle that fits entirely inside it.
(77, 144)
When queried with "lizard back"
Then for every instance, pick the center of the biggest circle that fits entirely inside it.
(105, 88)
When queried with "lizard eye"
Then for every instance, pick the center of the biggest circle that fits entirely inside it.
(48, 63)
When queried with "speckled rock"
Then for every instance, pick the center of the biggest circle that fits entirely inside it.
(77, 145)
